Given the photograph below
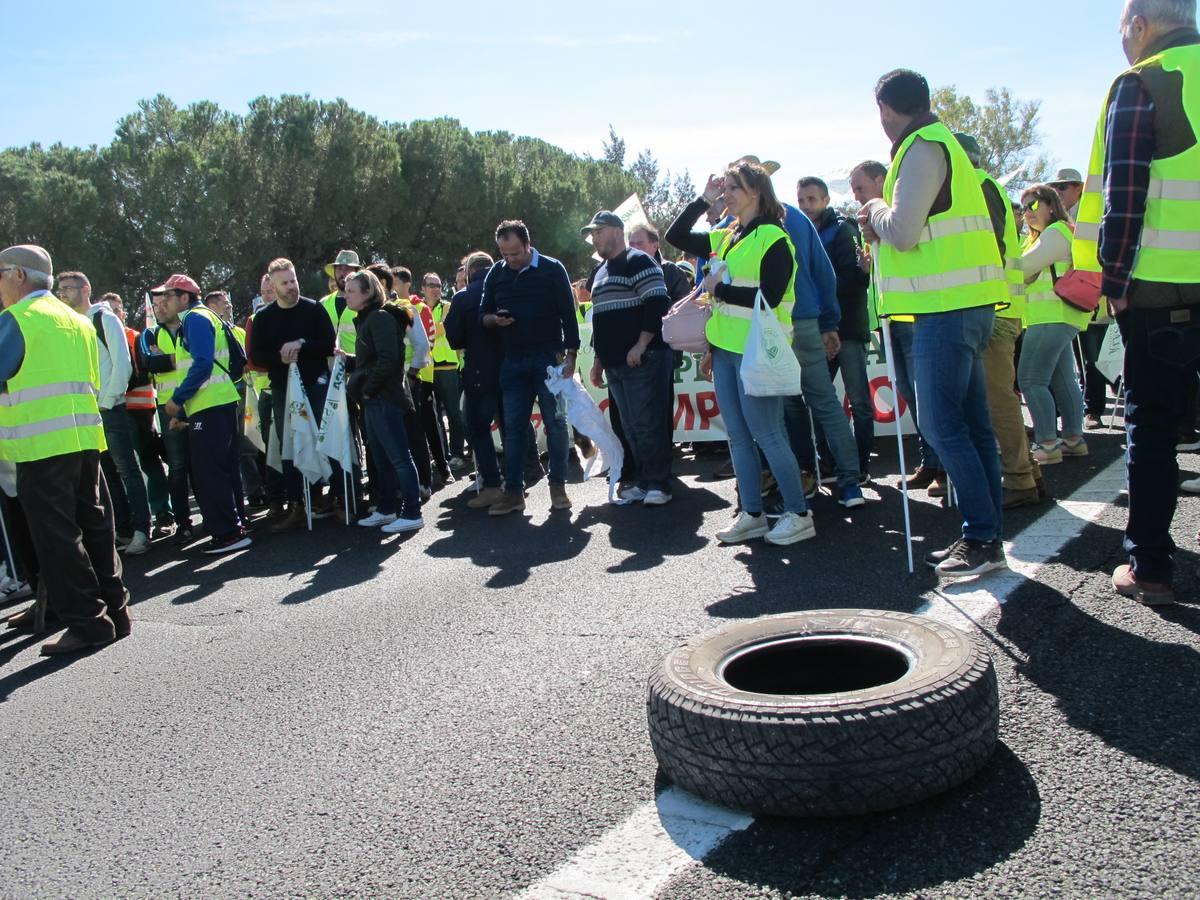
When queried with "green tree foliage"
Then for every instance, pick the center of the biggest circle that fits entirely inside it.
(1006, 128)
(218, 195)
(662, 196)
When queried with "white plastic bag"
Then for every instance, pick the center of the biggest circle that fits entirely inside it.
(769, 367)
(583, 415)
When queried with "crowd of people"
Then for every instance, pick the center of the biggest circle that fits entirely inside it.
(108, 433)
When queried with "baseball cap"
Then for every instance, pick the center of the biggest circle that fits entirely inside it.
(177, 282)
(971, 146)
(603, 219)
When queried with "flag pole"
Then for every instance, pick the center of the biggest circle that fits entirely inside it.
(12, 560)
(891, 371)
(307, 501)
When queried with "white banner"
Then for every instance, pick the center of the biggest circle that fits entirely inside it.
(335, 438)
(698, 416)
(1111, 361)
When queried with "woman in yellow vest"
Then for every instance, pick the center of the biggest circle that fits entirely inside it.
(758, 256)
(1046, 371)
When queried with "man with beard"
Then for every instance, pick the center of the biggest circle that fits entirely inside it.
(293, 329)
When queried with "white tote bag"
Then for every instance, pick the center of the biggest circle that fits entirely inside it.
(769, 367)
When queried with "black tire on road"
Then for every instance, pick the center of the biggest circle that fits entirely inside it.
(827, 713)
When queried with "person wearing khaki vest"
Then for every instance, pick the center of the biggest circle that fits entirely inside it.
(1139, 227)
(50, 426)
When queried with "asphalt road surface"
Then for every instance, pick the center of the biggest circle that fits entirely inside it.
(458, 712)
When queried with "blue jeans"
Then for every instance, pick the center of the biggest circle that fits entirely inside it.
(851, 361)
(388, 439)
(948, 362)
(644, 396)
(1046, 373)
(522, 378)
(177, 445)
(130, 503)
(447, 391)
(1160, 358)
(479, 410)
(751, 421)
(819, 395)
(902, 344)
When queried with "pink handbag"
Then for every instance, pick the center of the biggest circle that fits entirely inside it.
(1079, 288)
(684, 324)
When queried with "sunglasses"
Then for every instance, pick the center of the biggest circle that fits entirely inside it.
(1031, 207)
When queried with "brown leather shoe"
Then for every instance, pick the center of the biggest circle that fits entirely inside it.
(24, 620)
(487, 498)
(293, 521)
(275, 512)
(511, 501)
(71, 641)
(939, 487)
(921, 479)
(1013, 499)
(558, 497)
(1148, 593)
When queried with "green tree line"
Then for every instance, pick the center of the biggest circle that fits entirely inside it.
(218, 195)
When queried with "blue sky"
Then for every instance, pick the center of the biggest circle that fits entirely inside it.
(697, 83)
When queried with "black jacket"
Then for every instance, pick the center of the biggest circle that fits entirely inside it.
(840, 237)
(379, 354)
(464, 331)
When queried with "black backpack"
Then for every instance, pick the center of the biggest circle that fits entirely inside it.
(237, 354)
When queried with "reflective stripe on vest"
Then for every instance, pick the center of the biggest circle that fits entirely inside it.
(166, 382)
(347, 334)
(729, 325)
(1014, 275)
(141, 398)
(443, 354)
(1169, 248)
(1042, 305)
(49, 407)
(218, 388)
(956, 263)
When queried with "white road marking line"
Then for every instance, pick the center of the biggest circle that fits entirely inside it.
(964, 604)
(635, 859)
(661, 839)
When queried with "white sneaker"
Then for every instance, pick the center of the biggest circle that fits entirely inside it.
(1191, 486)
(139, 545)
(376, 519)
(746, 528)
(401, 525)
(16, 590)
(656, 498)
(792, 528)
(633, 494)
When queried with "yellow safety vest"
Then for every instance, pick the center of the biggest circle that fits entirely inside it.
(1014, 275)
(729, 325)
(347, 334)
(444, 356)
(1042, 305)
(956, 263)
(218, 389)
(166, 382)
(1169, 250)
(49, 407)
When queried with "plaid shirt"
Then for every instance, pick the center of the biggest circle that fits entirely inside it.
(1128, 153)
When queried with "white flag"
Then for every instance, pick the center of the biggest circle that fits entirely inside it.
(335, 438)
(1111, 361)
(300, 432)
(253, 428)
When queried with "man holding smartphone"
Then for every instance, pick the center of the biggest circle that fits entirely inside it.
(528, 298)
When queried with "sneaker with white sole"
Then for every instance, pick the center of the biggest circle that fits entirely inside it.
(792, 528)
(967, 557)
(656, 498)
(851, 497)
(401, 525)
(633, 494)
(14, 591)
(376, 520)
(235, 541)
(138, 544)
(1191, 486)
(746, 528)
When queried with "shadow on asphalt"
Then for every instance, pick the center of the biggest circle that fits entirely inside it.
(1136, 694)
(944, 839)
